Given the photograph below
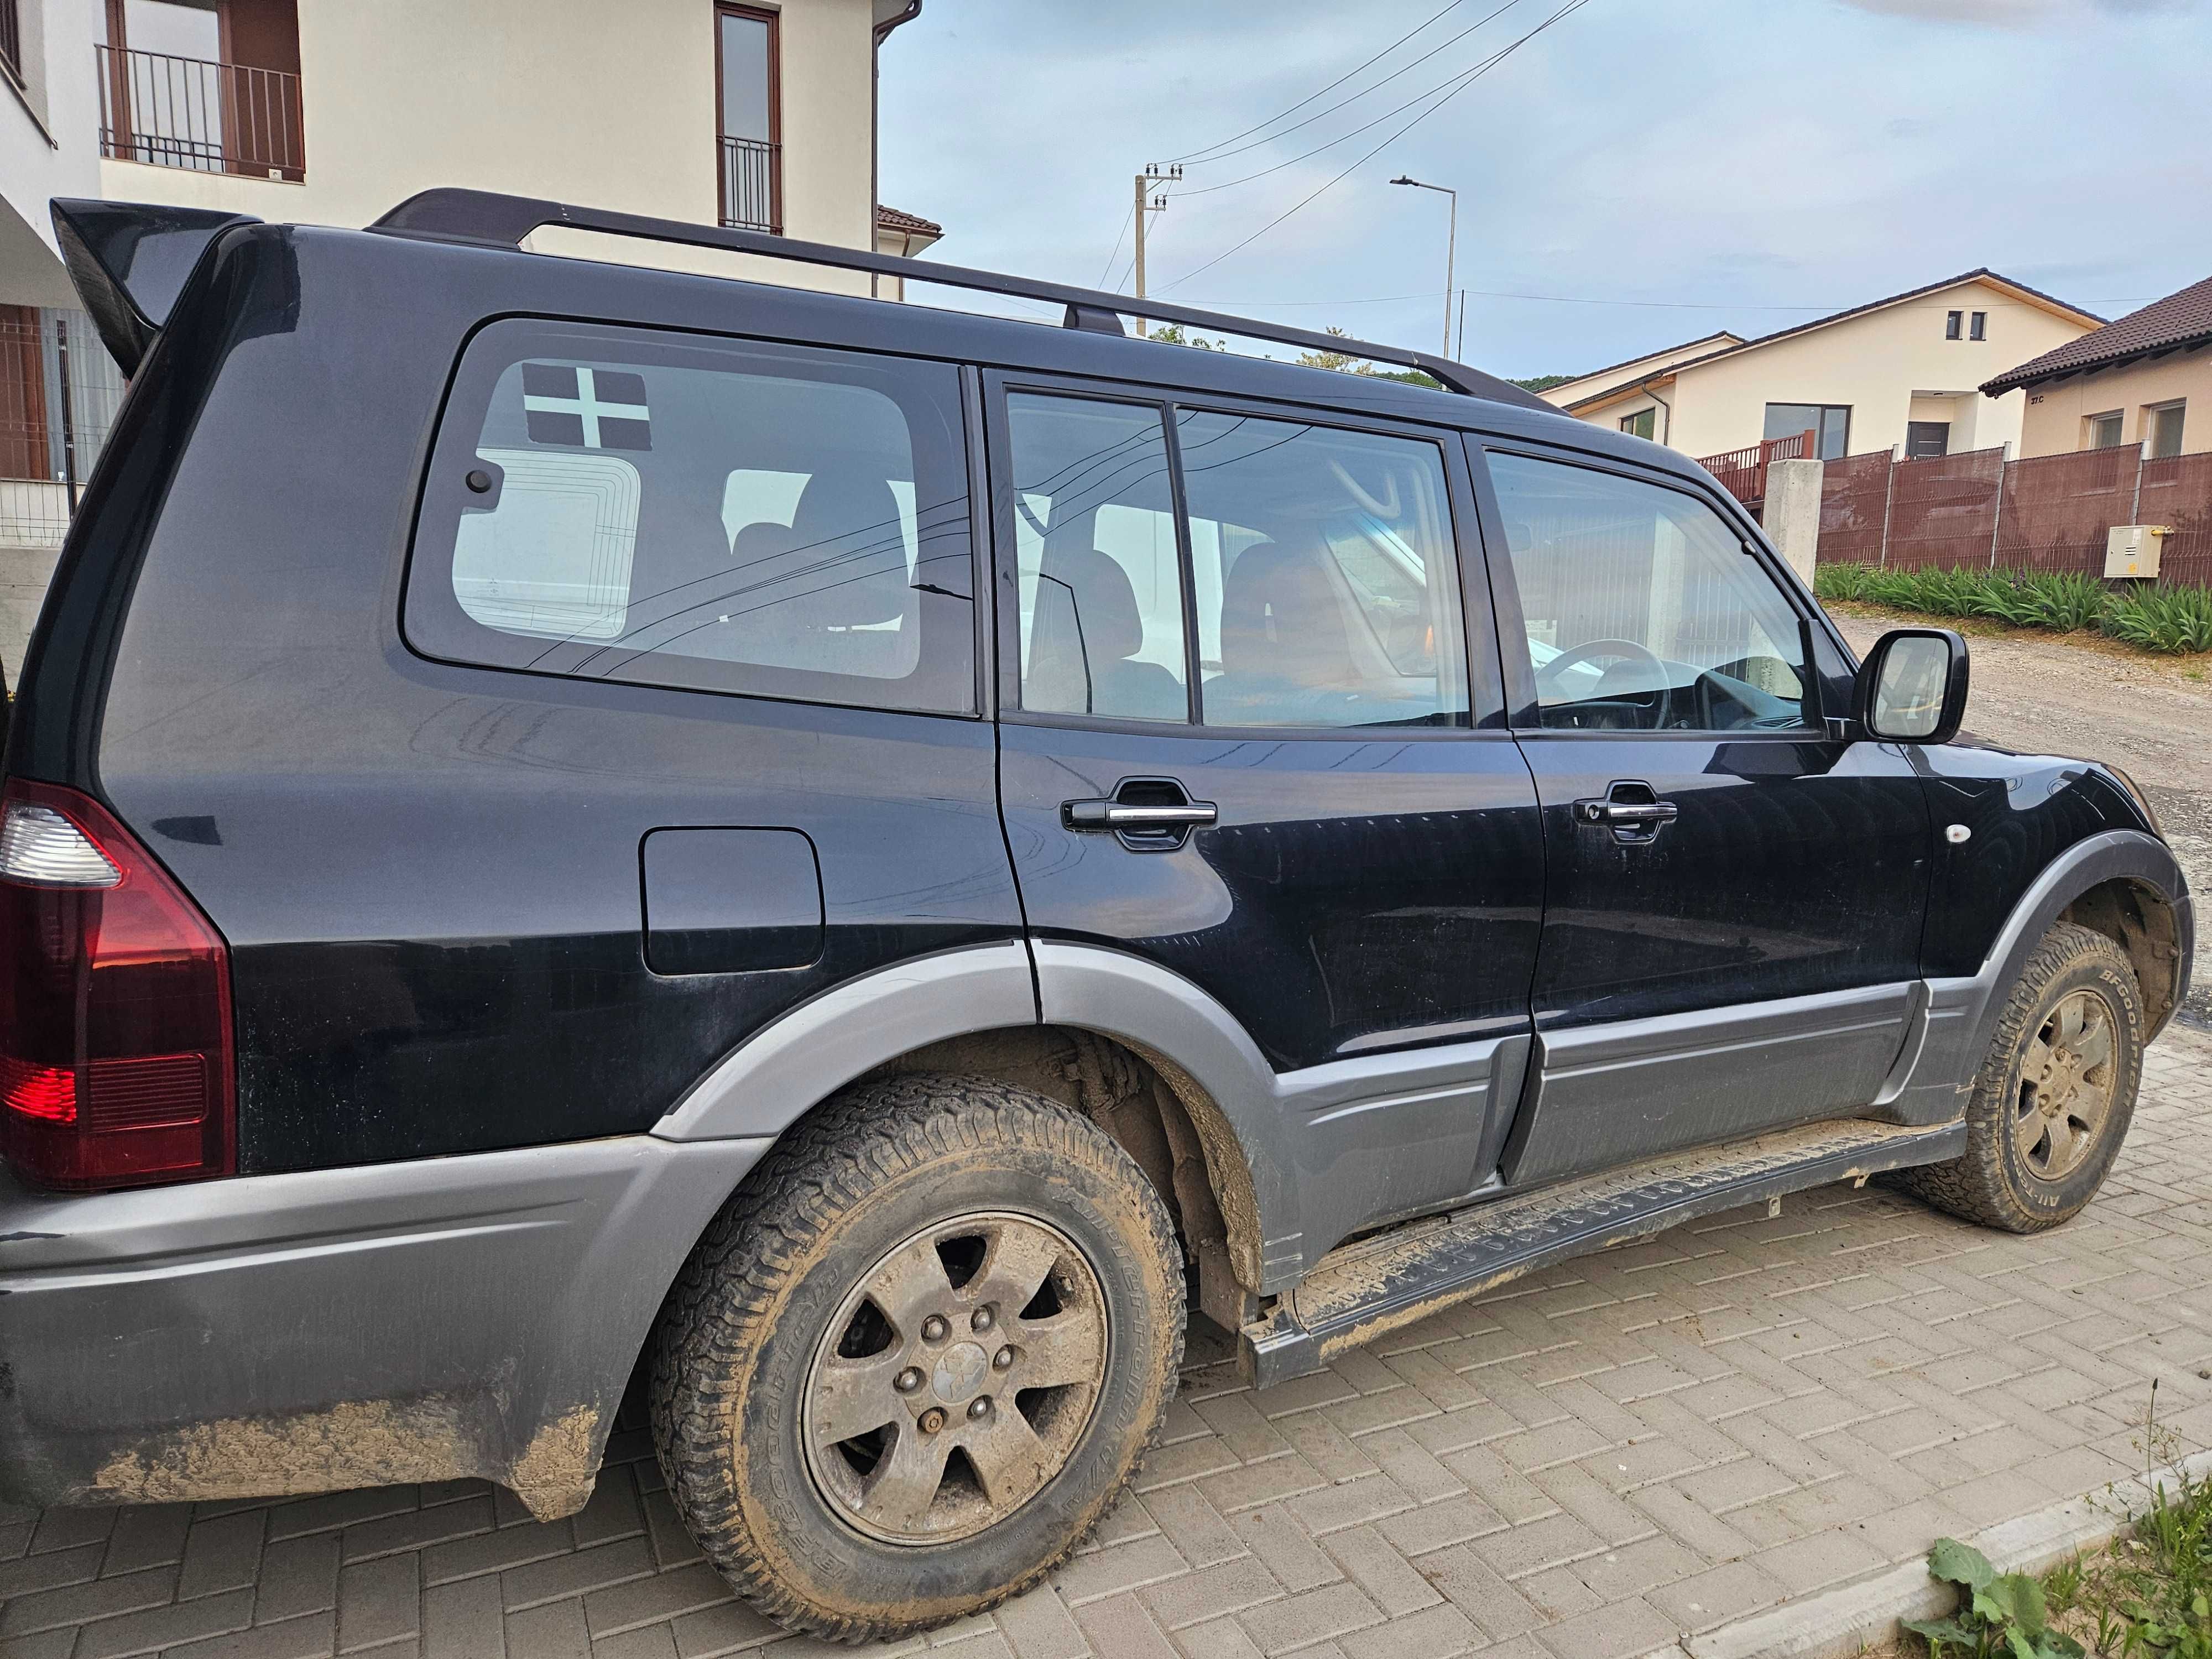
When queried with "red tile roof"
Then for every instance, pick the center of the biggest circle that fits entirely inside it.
(2175, 322)
(890, 218)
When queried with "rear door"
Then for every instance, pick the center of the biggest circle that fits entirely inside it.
(1734, 898)
(1237, 741)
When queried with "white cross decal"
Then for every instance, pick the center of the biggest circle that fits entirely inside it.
(586, 406)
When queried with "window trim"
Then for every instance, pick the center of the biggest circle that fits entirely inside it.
(1484, 685)
(1820, 413)
(444, 442)
(1954, 325)
(1977, 325)
(1523, 704)
(2091, 422)
(774, 19)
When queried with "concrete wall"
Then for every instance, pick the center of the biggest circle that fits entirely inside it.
(2055, 412)
(1875, 363)
(49, 145)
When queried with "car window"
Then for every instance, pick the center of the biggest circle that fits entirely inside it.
(1101, 576)
(1326, 592)
(787, 522)
(1643, 611)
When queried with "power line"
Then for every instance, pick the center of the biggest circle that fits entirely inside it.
(1465, 81)
(1273, 137)
(1331, 86)
(1118, 236)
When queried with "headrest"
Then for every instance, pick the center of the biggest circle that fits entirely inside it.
(847, 553)
(1281, 618)
(1080, 585)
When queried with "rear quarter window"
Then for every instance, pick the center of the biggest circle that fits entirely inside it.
(722, 516)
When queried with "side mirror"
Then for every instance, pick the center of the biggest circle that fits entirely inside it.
(1912, 686)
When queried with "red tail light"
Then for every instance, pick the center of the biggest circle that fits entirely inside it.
(116, 1067)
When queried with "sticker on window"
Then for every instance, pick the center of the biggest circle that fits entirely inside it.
(553, 556)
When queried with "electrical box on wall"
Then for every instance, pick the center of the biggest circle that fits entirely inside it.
(2131, 549)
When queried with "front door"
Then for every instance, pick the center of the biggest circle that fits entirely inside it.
(1734, 898)
(1236, 742)
(1925, 438)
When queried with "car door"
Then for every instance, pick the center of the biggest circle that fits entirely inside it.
(1237, 743)
(1733, 898)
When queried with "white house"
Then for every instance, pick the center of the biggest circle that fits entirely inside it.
(331, 112)
(1901, 374)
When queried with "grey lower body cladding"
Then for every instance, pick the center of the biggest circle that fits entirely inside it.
(1358, 1292)
(430, 1320)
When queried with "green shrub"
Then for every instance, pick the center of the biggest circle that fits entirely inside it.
(2174, 619)
(2163, 618)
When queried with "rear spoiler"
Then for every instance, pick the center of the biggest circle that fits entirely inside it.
(129, 261)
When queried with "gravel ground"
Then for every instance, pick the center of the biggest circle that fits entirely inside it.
(2150, 716)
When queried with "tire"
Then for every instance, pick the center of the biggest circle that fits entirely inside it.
(797, 1315)
(2020, 1175)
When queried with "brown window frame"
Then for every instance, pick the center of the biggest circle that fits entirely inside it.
(725, 201)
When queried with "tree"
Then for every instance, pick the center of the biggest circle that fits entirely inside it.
(1176, 334)
(1543, 382)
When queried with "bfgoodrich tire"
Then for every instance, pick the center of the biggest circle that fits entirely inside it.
(2055, 1093)
(917, 1357)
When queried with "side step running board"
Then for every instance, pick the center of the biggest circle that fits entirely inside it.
(1358, 1292)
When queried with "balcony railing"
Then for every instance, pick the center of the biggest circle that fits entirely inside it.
(208, 118)
(752, 184)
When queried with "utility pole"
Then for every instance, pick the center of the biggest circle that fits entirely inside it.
(1146, 202)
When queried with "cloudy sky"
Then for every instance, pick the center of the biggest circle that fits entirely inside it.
(1739, 164)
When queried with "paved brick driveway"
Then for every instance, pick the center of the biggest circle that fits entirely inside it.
(1652, 1441)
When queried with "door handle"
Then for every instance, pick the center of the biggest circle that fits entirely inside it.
(1113, 815)
(1631, 809)
(1146, 815)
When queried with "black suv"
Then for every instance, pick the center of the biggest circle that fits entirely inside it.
(565, 820)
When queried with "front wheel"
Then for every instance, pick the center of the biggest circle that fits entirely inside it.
(2054, 1095)
(918, 1357)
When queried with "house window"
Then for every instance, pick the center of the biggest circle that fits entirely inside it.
(1641, 424)
(1977, 327)
(2162, 426)
(2101, 431)
(749, 97)
(208, 86)
(1951, 321)
(1831, 422)
(11, 42)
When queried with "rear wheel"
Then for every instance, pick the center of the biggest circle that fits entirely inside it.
(2054, 1095)
(918, 1357)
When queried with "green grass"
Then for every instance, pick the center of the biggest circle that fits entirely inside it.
(2174, 619)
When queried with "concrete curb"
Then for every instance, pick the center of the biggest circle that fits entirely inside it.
(1844, 1622)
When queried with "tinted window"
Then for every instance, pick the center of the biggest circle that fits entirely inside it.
(1101, 578)
(614, 505)
(1322, 562)
(1644, 611)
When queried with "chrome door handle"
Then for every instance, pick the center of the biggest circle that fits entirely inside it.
(1113, 815)
(1627, 813)
(1631, 810)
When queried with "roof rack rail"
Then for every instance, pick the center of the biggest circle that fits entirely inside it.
(488, 219)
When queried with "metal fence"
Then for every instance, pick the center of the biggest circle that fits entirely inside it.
(59, 390)
(1943, 508)
(752, 184)
(204, 117)
(1978, 510)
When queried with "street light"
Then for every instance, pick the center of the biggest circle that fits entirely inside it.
(1451, 246)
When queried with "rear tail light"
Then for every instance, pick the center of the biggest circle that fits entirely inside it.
(116, 1067)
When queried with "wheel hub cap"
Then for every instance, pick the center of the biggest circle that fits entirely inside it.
(2066, 1079)
(960, 1373)
(997, 1324)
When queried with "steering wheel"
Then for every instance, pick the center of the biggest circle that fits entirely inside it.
(1589, 651)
